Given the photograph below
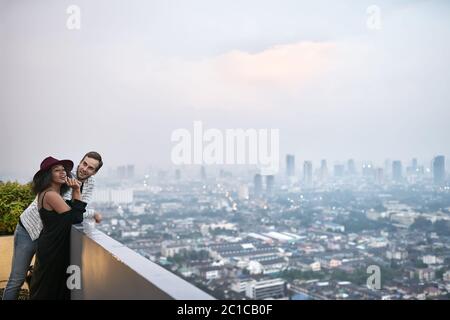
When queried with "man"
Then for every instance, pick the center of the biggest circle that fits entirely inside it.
(30, 224)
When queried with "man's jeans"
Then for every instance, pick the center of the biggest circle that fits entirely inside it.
(24, 250)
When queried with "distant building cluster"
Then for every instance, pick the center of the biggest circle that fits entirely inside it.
(300, 235)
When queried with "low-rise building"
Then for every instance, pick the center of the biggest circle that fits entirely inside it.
(308, 264)
(264, 289)
(274, 265)
(210, 273)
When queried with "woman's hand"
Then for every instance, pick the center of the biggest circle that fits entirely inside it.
(73, 183)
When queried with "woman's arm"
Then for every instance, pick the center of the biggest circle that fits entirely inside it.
(73, 213)
(75, 185)
(56, 202)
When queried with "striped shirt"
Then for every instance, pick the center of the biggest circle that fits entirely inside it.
(31, 219)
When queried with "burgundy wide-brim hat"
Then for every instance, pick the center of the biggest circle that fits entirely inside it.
(49, 162)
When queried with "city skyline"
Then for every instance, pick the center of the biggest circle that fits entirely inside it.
(357, 166)
(324, 237)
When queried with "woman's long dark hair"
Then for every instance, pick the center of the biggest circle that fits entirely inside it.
(42, 180)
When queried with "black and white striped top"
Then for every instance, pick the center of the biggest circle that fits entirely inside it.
(32, 221)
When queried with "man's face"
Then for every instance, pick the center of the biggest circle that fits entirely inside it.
(87, 168)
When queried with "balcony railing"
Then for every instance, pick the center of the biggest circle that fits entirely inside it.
(110, 270)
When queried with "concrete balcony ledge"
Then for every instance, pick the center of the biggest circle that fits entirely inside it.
(110, 270)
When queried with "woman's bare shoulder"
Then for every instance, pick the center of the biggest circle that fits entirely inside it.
(54, 200)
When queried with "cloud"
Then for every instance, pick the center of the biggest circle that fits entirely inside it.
(240, 80)
(282, 66)
(234, 80)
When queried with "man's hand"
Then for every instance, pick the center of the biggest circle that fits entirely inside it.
(97, 217)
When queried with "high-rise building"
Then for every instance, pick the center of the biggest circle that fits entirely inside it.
(290, 165)
(307, 174)
(177, 174)
(323, 170)
(379, 176)
(368, 170)
(414, 164)
(351, 168)
(412, 170)
(125, 172)
(397, 175)
(130, 171)
(270, 181)
(439, 170)
(258, 184)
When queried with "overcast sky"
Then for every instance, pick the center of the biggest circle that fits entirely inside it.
(137, 70)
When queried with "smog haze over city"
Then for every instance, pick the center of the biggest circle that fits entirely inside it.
(342, 105)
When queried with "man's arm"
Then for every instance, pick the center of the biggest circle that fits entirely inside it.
(31, 220)
(33, 207)
(86, 196)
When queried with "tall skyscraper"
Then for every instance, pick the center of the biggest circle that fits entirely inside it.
(351, 168)
(387, 168)
(414, 164)
(439, 170)
(307, 174)
(177, 174)
(290, 165)
(323, 170)
(270, 181)
(412, 170)
(379, 176)
(130, 171)
(258, 184)
(397, 171)
(368, 170)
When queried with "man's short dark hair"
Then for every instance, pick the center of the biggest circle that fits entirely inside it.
(96, 156)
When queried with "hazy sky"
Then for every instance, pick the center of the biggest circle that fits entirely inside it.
(137, 70)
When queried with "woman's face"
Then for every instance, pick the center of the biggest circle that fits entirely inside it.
(59, 174)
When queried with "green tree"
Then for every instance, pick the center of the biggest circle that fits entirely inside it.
(294, 274)
(442, 228)
(14, 199)
(440, 273)
(421, 224)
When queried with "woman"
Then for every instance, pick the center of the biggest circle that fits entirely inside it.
(53, 248)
